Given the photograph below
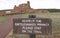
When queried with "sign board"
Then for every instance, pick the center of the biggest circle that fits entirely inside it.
(32, 26)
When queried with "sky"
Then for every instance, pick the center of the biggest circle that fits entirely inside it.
(35, 4)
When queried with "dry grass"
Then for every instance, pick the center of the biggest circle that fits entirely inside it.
(55, 25)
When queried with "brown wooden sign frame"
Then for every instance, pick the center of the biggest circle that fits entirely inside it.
(42, 26)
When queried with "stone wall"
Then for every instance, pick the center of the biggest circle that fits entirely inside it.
(25, 8)
(2, 14)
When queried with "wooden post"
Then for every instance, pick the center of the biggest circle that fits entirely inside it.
(32, 35)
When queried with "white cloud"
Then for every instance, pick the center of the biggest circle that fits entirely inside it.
(45, 4)
(8, 4)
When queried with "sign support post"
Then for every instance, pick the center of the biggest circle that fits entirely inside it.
(32, 35)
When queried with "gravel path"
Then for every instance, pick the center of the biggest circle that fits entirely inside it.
(5, 28)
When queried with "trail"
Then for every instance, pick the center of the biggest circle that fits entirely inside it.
(6, 27)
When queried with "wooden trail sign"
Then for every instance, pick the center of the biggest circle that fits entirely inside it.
(40, 26)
